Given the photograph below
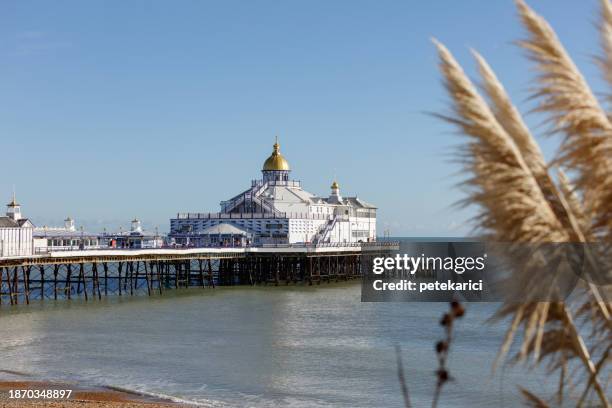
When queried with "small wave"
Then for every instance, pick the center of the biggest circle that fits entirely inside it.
(16, 373)
(161, 396)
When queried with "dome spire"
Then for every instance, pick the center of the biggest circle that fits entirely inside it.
(335, 197)
(335, 185)
(13, 209)
(13, 202)
(276, 161)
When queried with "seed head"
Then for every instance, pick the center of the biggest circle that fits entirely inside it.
(446, 319)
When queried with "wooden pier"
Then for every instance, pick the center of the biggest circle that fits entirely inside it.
(95, 273)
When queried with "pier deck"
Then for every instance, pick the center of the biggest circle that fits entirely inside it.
(95, 273)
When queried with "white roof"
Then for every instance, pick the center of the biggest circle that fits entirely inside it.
(293, 199)
(61, 233)
(223, 229)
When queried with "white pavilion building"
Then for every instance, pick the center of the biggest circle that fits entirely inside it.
(15, 232)
(276, 210)
(135, 238)
(66, 238)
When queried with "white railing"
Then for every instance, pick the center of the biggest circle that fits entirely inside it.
(327, 229)
(227, 216)
(253, 195)
(376, 244)
(285, 183)
(48, 249)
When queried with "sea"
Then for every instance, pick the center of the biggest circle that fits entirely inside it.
(266, 346)
(290, 346)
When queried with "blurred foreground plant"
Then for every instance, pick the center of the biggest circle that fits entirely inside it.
(521, 201)
(456, 311)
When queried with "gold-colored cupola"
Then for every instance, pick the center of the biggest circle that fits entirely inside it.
(276, 161)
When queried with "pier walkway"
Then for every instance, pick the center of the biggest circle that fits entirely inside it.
(95, 273)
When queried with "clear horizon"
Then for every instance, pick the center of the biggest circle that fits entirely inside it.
(119, 110)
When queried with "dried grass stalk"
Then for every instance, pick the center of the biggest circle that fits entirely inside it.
(605, 30)
(495, 160)
(570, 214)
(573, 200)
(518, 199)
(566, 97)
(533, 400)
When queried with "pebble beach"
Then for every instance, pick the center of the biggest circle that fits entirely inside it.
(82, 397)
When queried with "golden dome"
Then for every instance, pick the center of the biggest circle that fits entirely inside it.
(276, 161)
(335, 185)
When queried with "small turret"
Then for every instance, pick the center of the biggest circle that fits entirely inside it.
(136, 227)
(69, 224)
(335, 196)
(13, 209)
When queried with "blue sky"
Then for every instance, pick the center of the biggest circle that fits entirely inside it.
(114, 109)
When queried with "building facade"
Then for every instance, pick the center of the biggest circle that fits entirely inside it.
(276, 210)
(135, 238)
(15, 232)
(66, 238)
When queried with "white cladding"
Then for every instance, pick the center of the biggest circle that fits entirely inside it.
(15, 241)
(277, 210)
(15, 232)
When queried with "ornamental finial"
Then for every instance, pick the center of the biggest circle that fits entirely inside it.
(13, 202)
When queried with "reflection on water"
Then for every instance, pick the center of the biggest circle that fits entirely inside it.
(242, 346)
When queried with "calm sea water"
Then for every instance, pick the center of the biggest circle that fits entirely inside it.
(261, 347)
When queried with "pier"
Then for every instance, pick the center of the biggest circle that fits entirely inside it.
(272, 233)
(92, 274)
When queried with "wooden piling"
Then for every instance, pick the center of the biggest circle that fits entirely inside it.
(105, 266)
(19, 281)
(42, 281)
